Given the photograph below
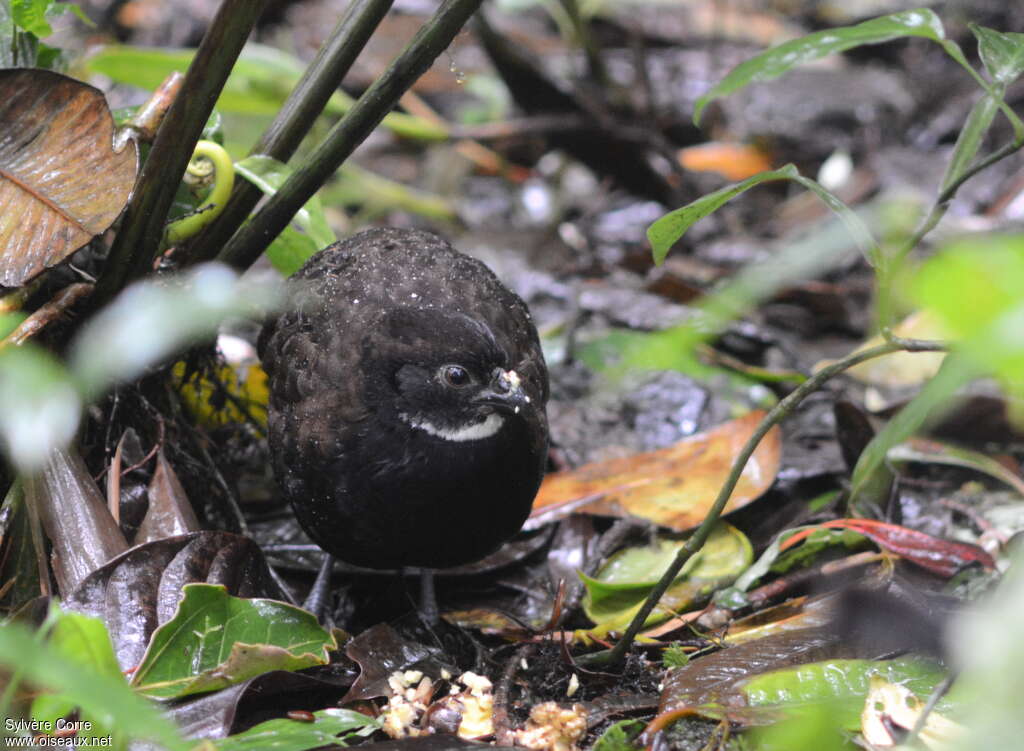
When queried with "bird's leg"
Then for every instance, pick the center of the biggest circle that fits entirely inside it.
(428, 609)
(319, 597)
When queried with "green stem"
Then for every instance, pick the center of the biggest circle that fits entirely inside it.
(251, 240)
(696, 541)
(142, 226)
(297, 115)
(208, 210)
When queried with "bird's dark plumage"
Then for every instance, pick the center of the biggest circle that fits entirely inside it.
(407, 395)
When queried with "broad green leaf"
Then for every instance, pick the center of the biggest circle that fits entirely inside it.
(920, 22)
(664, 232)
(268, 174)
(618, 590)
(216, 640)
(293, 735)
(845, 680)
(105, 697)
(30, 15)
(34, 15)
(1002, 52)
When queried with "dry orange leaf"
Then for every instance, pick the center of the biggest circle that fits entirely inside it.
(674, 486)
(61, 181)
(734, 161)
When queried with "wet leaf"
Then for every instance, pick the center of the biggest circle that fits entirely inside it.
(75, 517)
(61, 182)
(291, 735)
(778, 60)
(674, 486)
(20, 561)
(710, 679)
(380, 651)
(215, 640)
(170, 512)
(845, 680)
(140, 589)
(942, 557)
(620, 587)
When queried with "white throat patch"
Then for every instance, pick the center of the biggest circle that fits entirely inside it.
(474, 432)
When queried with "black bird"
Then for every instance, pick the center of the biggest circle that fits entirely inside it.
(407, 397)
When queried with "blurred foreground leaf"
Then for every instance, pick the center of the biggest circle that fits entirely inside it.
(106, 697)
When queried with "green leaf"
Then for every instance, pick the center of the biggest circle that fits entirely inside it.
(620, 587)
(39, 405)
(30, 15)
(778, 60)
(853, 223)
(620, 736)
(268, 174)
(664, 232)
(216, 640)
(290, 250)
(872, 477)
(674, 656)
(258, 85)
(969, 140)
(844, 680)
(1001, 52)
(105, 697)
(152, 320)
(84, 641)
(292, 735)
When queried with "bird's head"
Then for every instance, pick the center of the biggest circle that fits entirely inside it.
(448, 375)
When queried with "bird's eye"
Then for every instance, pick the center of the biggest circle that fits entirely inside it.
(455, 375)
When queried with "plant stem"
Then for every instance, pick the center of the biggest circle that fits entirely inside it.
(250, 241)
(700, 535)
(297, 116)
(142, 227)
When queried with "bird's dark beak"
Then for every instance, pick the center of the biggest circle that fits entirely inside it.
(504, 393)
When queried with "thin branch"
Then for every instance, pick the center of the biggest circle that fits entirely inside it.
(138, 240)
(251, 240)
(297, 116)
(696, 541)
